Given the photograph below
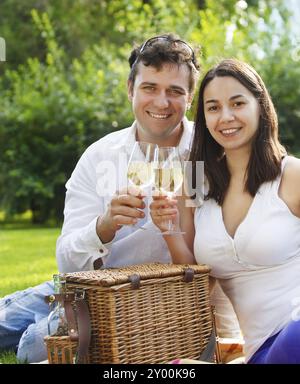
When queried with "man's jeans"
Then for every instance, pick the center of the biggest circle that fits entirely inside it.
(23, 322)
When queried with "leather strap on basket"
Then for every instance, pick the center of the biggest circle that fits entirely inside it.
(208, 354)
(188, 275)
(66, 301)
(211, 352)
(78, 331)
(135, 281)
(70, 315)
(84, 330)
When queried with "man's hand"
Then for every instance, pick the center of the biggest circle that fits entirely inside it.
(124, 209)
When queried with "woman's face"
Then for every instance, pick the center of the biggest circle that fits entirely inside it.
(231, 113)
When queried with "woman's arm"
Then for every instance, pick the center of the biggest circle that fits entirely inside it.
(289, 190)
(180, 245)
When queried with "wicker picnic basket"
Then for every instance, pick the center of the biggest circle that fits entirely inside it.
(150, 313)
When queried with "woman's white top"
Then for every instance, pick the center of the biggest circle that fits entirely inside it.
(258, 269)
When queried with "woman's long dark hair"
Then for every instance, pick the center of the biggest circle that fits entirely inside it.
(267, 152)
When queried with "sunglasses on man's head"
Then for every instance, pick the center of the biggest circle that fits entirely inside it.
(183, 44)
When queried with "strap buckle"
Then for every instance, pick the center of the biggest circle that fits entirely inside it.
(79, 294)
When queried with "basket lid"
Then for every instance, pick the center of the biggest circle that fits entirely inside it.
(113, 276)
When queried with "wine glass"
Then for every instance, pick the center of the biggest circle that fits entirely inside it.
(140, 172)
(168, 177)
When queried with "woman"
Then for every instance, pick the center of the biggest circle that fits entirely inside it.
(248, 226)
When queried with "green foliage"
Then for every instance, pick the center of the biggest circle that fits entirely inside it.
(52, 112)
(70, 88)
(82, 23)
(17, 29)
(263, 37)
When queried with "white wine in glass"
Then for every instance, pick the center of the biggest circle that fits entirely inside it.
(168, 177)
(140, 172)
(168, 180)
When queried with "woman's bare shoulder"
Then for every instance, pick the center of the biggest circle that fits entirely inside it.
(291, 182)
(292, 169)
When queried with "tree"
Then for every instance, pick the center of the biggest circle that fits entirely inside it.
(51, 112)
(261, 35)
(70, 89)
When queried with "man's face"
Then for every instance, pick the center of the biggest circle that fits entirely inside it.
(159, 102)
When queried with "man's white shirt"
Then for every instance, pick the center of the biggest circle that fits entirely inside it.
(101, 172)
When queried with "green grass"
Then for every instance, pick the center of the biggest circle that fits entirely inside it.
(8, 358)
(27, 258)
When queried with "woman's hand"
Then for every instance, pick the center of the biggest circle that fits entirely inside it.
(163, 209)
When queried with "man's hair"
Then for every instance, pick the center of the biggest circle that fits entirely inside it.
(164, 49)
(267, 152)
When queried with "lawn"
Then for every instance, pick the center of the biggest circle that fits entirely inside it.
(27, 258)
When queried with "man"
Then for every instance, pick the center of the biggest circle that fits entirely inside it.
(161, 84)
(99, 211)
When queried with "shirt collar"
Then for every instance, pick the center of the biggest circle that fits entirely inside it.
(129, 139)
(186, 138)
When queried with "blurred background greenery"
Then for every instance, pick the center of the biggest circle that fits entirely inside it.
(63, 84)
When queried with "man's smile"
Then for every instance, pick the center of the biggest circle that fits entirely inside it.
(159, 116)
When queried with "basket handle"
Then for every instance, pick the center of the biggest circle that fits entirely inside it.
(135, 279)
